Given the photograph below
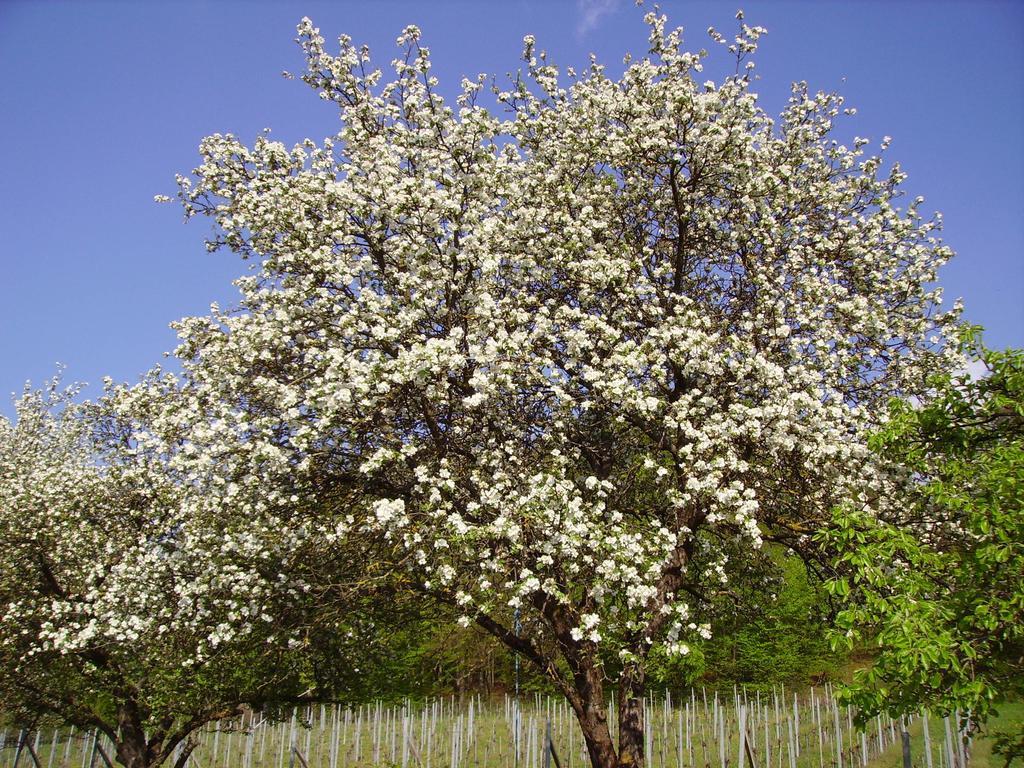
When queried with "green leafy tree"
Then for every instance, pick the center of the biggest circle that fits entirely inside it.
(941, 590)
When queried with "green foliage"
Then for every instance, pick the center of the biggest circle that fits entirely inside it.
(1009, 745)
(675, 672)
(941, 592)
(780, 638)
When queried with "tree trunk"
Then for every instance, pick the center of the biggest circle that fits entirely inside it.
(133, 748)
(131, 752)
(585, 690)
(597, 736)
(589, 706)
(631, 717)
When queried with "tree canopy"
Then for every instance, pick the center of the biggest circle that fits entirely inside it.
(123, 611)
(578, 359)
(940, 588)
(117, 613)
(576, 356)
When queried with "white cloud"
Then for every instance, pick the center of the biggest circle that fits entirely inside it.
(976, 369)
(591, 12)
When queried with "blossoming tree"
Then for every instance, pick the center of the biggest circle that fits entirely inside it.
(578, 358)
(122, 609)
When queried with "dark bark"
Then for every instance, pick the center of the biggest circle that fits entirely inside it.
(135, 750)
(132, 748)
(585, 692)
(597, 736)
(589, 705)
(588, 702)
(132, 753)
(631, 716)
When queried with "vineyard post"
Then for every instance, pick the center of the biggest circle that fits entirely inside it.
(927, 740)
(905, 737)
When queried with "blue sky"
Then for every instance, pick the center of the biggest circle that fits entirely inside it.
(103, 102)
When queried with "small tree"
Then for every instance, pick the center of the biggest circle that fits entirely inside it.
(940, 586)
(121, 608)
(578, 361)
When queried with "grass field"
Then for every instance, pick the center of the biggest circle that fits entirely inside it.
(1010, 718)
(701, 730)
